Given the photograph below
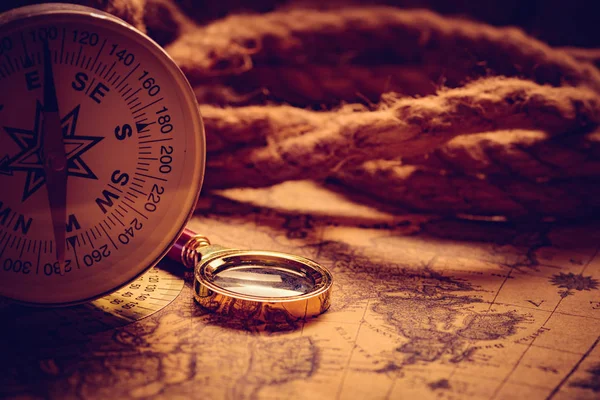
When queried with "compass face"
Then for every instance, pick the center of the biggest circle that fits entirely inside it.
(101, 154)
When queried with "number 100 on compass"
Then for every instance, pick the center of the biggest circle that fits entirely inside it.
(101, 153)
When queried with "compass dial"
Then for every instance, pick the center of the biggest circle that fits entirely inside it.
(101, 153)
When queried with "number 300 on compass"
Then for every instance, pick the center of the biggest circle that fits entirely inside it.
(101, 153)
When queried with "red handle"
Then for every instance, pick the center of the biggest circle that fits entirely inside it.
(176, 251)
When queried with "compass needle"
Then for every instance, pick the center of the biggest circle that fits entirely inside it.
(54, 158)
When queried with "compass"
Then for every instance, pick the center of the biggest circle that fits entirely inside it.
(102, 156)
(101, 153)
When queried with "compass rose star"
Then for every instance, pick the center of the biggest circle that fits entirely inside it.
(3, 166)
(30, 159)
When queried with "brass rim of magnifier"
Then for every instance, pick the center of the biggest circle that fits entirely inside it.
(270, 310)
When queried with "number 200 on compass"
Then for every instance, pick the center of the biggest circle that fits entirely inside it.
(101, 154)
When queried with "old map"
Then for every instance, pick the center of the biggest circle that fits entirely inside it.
(423, 307)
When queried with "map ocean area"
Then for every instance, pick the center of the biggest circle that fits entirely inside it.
(422, 307)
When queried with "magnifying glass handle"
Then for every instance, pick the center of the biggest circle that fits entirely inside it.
(185, 249)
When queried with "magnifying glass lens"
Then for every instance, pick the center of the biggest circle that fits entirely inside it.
(264, 281)
(261, 285)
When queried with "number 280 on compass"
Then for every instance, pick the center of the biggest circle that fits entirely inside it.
(101, 153)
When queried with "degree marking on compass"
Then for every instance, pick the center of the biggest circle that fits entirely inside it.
(116, 78)
(22, 248)
(123, 88)
(110, 69)
(79, 55)
(151, 176)
(134, 209)
(127, 76)
(119, 212)
(117, 218)
(132, 195)
(89, 239)
(148, 105)
(138, 191)
(98, 67)
(108, 236)
(98, 55)
(88, 63)
(5, 244)
(111, 221)
(76, 258)
(145, 119)
(155, 140)
(133, 94)
(135, 105)
(142, 169)
(72, 58)
(39, 253)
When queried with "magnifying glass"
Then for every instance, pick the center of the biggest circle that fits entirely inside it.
(101, 164)
(260, 285)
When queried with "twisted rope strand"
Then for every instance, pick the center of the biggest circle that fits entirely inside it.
(531, 155)
(296, 143)
(372, 36)
(426, 189)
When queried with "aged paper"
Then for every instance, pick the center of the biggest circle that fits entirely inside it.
(423, 307)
